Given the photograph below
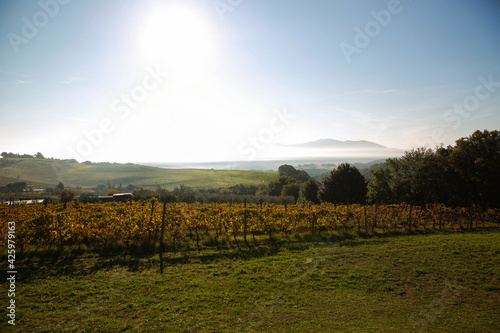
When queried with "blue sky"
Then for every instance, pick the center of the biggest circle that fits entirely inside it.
(193, 80)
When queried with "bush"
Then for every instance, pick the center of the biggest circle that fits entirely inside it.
(88, 198)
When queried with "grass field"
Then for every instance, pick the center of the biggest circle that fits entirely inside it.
(413, 283)
(49, 173)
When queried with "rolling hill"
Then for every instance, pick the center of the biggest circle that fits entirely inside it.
(48, 173)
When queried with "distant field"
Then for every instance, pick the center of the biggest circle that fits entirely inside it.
(49, 173)
(416, 283)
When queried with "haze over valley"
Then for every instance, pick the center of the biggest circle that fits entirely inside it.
(194, 81)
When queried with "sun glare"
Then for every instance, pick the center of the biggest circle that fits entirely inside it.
(177, 37)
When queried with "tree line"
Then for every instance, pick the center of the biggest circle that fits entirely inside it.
(461, 175)
(15, 155)
(465, 174)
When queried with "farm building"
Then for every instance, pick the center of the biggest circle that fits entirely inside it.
(118, 197)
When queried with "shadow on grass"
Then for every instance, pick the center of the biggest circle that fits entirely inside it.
(74, 261)
(80, 262)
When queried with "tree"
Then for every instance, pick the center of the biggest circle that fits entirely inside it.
(288, 170)
(184, 194)
(130, 188)
(88, 197)
(379, 188)
(112, 191)
(66, 196)
(60, 186)
(309, 190)
(415, 177)
(291, 190)
(243, 189)
(464, 174)
(344, 185)
(165, 196)
(476, 162)
(143, 194)
(39, 155)
(276, 186)
(13, 187)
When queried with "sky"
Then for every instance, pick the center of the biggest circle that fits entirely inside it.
(205, 80)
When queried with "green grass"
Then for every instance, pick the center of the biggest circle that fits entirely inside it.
(416, 283)
(50, 173)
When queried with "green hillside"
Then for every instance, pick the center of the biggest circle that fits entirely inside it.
(48, 173)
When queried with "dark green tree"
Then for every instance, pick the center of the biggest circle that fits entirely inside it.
(309, 190)
(242, 189)
(415, 177)
(184, 193)
(66, 196)
(288, 170)
(379, 188)
(13, 187)
(344, 185)
(276, 186)
(165, 196)
(475, 161)
(88, 197)
(291, 190)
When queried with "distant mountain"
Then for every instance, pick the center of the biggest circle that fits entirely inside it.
(335, 149)
(319, 153)
(336, 144)
(316, 157)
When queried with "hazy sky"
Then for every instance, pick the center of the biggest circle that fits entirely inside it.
(204, 80)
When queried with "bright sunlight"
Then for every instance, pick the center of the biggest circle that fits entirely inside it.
(179, 38)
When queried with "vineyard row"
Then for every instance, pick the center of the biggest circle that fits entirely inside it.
(101, 225)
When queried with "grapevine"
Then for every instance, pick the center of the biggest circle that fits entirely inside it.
(101, 225)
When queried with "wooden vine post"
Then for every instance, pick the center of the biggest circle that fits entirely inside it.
(440, 212)
(409, 218)
(359, 224)
(161, 236)
(471, 213)
(395, 222)
(245, 222)
(313, 222)
(150, 222)
(366, 221)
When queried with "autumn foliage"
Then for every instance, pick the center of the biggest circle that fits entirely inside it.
(101, 225)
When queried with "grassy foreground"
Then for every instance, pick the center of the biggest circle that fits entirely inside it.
(416, 283)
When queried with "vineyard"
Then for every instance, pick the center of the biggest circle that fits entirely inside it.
(176, 226)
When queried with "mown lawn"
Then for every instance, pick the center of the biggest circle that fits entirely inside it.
(416, 283)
